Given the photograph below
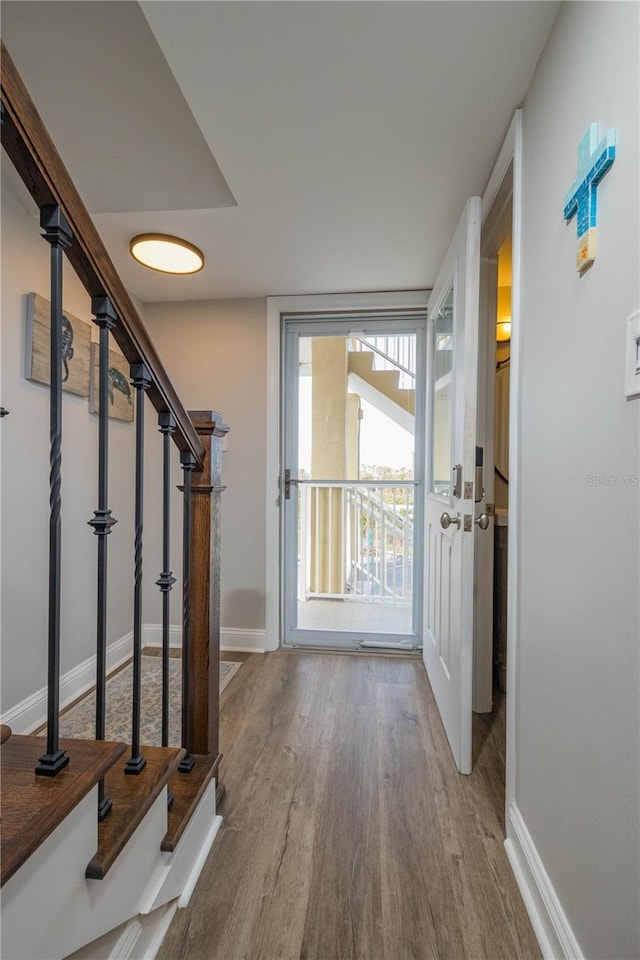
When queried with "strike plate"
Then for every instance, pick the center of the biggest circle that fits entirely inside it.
(468, 489)
(468, 523)
(490, 509)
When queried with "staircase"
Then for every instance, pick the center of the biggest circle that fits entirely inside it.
(104, 839)
(384, 382)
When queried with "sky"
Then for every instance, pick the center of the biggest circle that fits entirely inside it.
(382, 442)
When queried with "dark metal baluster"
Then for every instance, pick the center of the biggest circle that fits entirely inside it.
(57, 233)
(141, 381)
(105, 319)
(188, 465)
(167, 425)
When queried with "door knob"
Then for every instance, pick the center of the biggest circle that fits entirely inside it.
(446, 521)
(482, 521)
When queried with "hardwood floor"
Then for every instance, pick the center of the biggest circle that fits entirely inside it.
(348, 833)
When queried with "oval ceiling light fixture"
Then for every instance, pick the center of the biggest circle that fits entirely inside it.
(167, 254)
(503, 330)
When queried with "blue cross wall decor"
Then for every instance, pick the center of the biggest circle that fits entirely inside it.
(594, 159)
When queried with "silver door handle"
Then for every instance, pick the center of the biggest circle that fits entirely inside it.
(482, 521)
(446, 521)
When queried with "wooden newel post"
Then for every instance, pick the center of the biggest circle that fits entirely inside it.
(204, 660)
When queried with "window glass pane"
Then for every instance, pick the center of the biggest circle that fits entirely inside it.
(355, 495)
(442, 399)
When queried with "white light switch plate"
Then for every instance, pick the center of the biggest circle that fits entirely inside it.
(632, 366)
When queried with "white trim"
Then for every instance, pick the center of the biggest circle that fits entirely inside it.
(550, 924)
(276, 306)
(511, 150)
(31, 712)
(138, 939)
(248, 641)
(515, 375)
(499, 172)
(155, 934)
(177, 874)
(232, 639)
(196, 870)
(152, 635)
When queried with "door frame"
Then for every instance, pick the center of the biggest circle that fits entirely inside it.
(511, 154)
(277, 308)
(294, 329)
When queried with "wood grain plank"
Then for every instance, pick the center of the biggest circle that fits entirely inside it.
(32, 807)
(187, 790)
(419, 916)
(348, 832)
(133, 797)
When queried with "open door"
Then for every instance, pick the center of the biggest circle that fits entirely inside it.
(452, 374)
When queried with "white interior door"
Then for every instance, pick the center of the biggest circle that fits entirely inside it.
(452, 371)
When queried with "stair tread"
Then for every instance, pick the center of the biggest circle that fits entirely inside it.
(187, 790)
(385, 381)
(33, 806)
(132, 797)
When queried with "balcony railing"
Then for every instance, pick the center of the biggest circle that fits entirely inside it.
(356, 540)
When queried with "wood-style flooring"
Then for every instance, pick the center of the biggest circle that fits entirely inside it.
(348, 832)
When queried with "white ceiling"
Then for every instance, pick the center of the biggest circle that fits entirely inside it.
(112, 106)
(348, 133)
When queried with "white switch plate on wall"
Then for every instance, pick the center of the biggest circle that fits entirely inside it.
(632, 368)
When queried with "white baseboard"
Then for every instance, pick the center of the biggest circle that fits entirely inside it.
(31, 712)
(242, 641)
(232, 639)
(152, 635)
(549, 921)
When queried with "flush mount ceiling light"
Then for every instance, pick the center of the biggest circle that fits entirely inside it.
(159, 251)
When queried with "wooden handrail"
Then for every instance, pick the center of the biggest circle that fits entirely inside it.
(32, 152)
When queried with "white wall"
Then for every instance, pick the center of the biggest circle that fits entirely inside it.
(25, 481)
(579, 626)
(215, 354)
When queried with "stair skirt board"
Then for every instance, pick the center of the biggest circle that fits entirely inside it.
(31, 713)
(137, 939)
(127, 914)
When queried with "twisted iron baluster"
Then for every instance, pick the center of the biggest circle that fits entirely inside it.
(141, 381)
(57, 233)
(102, 521)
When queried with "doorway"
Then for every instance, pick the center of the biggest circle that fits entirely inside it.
(493, 424)
(352, 423)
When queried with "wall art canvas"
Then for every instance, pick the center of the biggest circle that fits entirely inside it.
(121, 403)
(76, 347)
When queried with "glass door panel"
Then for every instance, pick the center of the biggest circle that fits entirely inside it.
(442, 399)
(351, 402)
